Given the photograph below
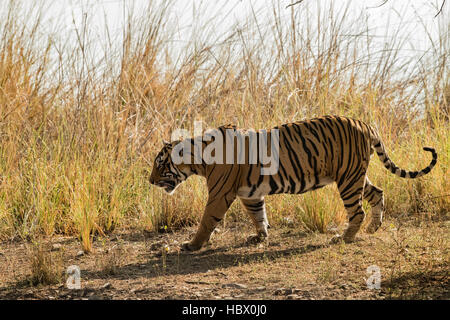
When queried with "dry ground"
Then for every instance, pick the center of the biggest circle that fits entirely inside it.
(413, 258)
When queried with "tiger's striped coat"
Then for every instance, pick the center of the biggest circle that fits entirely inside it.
(312, 154)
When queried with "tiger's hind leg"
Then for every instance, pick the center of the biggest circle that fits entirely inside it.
(351, 192)
(375, 198)
(256, 209)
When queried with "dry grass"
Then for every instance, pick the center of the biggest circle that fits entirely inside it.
(46, 266)
(77, 129)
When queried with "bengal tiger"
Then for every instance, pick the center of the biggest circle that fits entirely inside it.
(312, 154)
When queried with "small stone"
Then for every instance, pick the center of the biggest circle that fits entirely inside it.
(292, 297)
(80, 253)
(56, 246)
(280, 291)
(289, 291)
(260, 288)
(288, 221)
(235, 286)
(106, 285)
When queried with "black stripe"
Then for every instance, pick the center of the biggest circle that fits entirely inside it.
(314, 146)
(292, 156)
(313, 131)
(339, 121)
(257, 205)
(349, 164)
(402, 173)
(249, 183)
(379, 200)
(358, 213)
(260, 180)
(352, 204)
(285, 126)
(351, 183)
(329, 128)
(273, 185)
(330, 144)
(308, 152)
(295, 162)
(292, 185)
(353, 194)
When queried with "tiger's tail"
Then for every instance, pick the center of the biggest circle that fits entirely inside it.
(390, 165)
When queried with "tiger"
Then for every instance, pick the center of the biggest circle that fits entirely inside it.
(311, 153)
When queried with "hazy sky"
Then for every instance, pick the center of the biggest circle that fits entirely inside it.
(230, 11)
(406, 18)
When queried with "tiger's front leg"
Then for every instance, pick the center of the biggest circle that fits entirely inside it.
(214, 212)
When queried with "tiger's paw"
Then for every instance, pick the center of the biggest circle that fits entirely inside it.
(256, 238)
(372, 228)
(336, 239)
(340, 239)
(188, 247)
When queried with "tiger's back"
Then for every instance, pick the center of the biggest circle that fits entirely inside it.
(313, 153)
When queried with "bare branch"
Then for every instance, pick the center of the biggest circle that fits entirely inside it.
(440, 10)
(293, 4)
(384, 2)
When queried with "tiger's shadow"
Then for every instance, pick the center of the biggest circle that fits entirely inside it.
(206, 260)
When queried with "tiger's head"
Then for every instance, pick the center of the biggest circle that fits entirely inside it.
(165, 173)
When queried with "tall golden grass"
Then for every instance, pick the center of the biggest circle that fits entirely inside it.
(79, 126)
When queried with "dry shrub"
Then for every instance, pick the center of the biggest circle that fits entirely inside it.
(46, 266)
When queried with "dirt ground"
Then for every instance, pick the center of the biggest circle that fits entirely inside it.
(412, 259)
